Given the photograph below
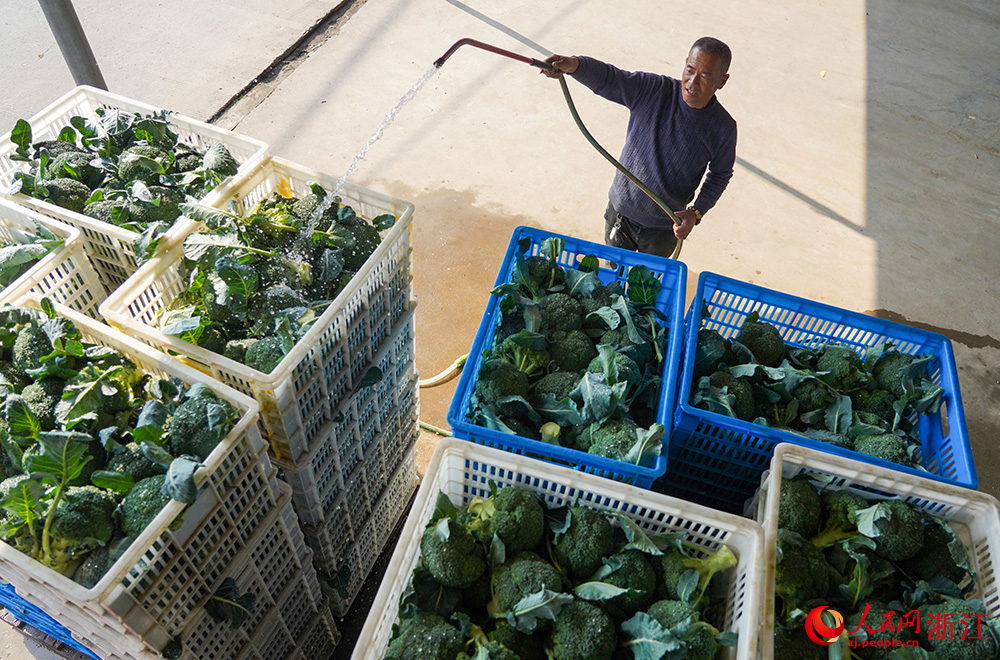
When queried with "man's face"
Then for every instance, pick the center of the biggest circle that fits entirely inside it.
(702, 77)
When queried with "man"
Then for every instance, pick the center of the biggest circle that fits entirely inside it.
(676, 130)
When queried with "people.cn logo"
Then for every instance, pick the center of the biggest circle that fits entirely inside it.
(820, 632)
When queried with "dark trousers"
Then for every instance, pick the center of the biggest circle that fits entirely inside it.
(629, 236)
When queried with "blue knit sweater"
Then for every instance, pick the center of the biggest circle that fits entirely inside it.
(668, 145)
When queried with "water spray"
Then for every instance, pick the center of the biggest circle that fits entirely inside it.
(545, 66)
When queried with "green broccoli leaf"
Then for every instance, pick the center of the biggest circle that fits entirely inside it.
(62, 458)
(565, 412)
(545, 604)
(241, 283)
(643, 286)
(227, 604)
(600, 591)
(20, 418)
(110, 480)
(620, 305)
(551, 248)
(21, 137)
(384, 221)
(331, 265)
(442, 530)
(443, 508)
(156, 454)
(637, 537)
(610, 317)
(84, 394)
(179, 483)
(23, 502)
(184, 323)
(147, 241)
(648, 443)
(648, 640)
(580, 283)
(597, 395)
(149, 426)
(213, 219)
(14, 260)
(868, 519)
(838, 415)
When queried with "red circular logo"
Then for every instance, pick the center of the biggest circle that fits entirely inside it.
(820, 632)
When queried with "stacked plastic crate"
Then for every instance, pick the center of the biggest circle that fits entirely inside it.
(242, 526)
(718, 460)
(340, 410)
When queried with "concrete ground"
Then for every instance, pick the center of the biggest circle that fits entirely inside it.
(867, 158)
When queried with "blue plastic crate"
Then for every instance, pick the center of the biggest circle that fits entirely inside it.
(35, 617)
(672, 276)
(718, 460)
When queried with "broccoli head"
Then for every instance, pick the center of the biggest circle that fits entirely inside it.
(669, 613)
(614, 439)
(104, 210)
(740, 388)
(265, 354)
(558, 383)
(561, 313)
(711, 350)
(141, 504)
(68, 193)
(277, 298)
(840, 517)
(526, 359)
(514, 514)
(677, 560)
(55, 148)
(889, 371)
(30, 346)
(801, 573)
(197, 426)
(887, 446)
(425, 637)
(799, 507)
(83, 520)
(526, 646)
(498, 379)
(812, 395)
(844, 368)
(953, 646)
(632, 570)
(129, 459)
(642, 353)
(98, 561)
(236, 349)
(582, 631)
(134, 164)
(587, 540)
(75, 165)
(900, 529)
(42, 397)
(763, 340)
(794, 644)
(366, 239)
(878, 402)
(524, 574)
(544, 273)
(453, 557)
(626, 368)
(573, 352)
(937, 557)
(489, 650)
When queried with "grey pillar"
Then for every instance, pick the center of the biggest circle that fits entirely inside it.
(66, 28)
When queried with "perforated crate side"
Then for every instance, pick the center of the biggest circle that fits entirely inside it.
(463, 470)
(973, 515)
(319, 639)
(719, 460)
(64, 275)
(110, 247)
(354, 565)
(300, 396)
(669, 301)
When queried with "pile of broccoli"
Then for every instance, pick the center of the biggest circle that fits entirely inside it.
(867, 403)
(505, 578)
(125, 169)
(257, 282)
(88, 442)
(575, 361)
(875, 561)
(18, 258)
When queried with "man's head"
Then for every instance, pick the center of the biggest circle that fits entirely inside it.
(706, 70)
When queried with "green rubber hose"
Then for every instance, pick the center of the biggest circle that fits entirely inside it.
(621, 168)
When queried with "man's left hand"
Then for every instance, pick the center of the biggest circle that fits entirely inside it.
(687, 218)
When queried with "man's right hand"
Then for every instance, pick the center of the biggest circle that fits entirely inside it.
(561, 64)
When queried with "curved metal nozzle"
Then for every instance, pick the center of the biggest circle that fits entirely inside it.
(492, 49)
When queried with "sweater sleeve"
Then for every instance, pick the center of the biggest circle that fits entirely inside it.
(720, 171)
(610, 82)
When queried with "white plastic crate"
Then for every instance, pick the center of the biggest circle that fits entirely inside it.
(364, 426)
(108, 246)
(463, 470)
(277, 568)
(346, 574)
(161, 581)
(299, 398)
(64, 275)
(973, 515)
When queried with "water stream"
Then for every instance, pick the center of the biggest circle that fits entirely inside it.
(328, 200)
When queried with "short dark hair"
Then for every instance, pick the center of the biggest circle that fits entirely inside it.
(713, 46)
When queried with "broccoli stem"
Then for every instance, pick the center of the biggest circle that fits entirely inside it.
(49, 517)
(652, 334)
